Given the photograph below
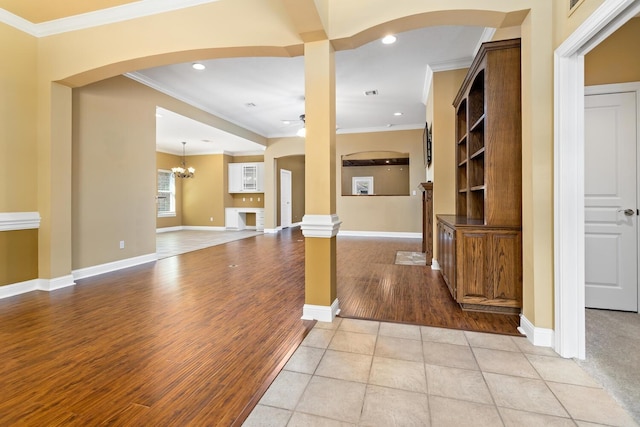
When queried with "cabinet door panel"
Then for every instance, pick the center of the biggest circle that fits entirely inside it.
(506, 266)
(472, 251)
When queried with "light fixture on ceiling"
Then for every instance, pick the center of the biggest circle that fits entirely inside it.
(198, 66)
(302, 132)
(397, 113)
(183, 171)
(389, 39)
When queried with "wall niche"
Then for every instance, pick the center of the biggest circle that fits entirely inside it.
(375, 173)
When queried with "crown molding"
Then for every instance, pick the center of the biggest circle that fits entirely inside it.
(111, 15)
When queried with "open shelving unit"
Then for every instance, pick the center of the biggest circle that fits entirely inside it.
(481, 244)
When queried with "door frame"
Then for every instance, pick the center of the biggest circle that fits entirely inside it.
(568, 215)
(618, 88)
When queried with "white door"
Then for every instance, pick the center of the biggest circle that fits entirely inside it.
(285, 198)
(611, 221)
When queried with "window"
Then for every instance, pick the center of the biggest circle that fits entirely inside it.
(166, 198)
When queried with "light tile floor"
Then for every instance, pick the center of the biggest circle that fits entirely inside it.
(364, 373)
(173, 243)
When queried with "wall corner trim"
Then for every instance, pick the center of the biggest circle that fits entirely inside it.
(321, 313)
(322, 226)
(540, 337)
(435, 265)
(10, 221)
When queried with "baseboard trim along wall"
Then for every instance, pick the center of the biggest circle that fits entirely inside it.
(190, 227)
(392, 234)
(541, 337)
(83, 273)
(434, 264)
(321, 313)
(36, 285)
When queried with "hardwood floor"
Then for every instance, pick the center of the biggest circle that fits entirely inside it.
(195, 339)
(187, 340)
(372, 286)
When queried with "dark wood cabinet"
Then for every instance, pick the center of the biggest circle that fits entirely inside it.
(481, 248)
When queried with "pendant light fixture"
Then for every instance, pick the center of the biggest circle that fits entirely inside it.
(183, 171)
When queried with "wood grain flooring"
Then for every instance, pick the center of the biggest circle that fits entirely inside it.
(195, 339)
(187, 340)
(372, 286)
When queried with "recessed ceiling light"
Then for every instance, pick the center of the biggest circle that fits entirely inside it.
(198, 66)
(390, 39)
(286, 122)
(398, 113)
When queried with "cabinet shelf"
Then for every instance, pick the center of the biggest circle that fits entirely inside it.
(478, 123)
(477, 188)
(477, 154)
(463, 140)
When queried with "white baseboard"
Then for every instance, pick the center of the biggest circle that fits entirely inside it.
(83, 273)
(391, 234)
(271, 230)
(168, 229)
(541, 337)
(321, 313)
(203, 228)
(36, 285)
(189, 227)
(434, 264)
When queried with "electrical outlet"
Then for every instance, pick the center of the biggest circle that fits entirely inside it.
(121, 244)
(211, 219)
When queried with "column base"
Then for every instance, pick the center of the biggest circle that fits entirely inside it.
(321, 313)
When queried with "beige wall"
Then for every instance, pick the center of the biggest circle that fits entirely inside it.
(167, 161)
(392, 180)
(382, 213)
(445, 87)
(207, 194)
(613, 60)
(114, 172)
(18, 150)
(565, 23)
(18, 256)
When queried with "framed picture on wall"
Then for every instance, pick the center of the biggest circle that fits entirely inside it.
(427, 143)
(362, 185)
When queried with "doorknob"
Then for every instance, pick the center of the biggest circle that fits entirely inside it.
(627, 212)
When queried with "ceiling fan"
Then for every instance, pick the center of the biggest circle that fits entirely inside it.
(300, 132)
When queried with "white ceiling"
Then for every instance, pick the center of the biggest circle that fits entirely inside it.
(275, 87)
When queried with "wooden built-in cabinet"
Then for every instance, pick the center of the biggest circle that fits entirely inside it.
(480, 247)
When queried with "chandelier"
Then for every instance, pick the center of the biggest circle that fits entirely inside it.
(183, 171)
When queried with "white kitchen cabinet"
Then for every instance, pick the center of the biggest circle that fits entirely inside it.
(246, 177)
(236, 218)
